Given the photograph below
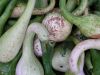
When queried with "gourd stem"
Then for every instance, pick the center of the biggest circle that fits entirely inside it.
(40, 11)
(28, 44)
(82, 6)
(70, 5)
(67, 15)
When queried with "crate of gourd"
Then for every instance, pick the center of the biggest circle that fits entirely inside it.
(49, 37)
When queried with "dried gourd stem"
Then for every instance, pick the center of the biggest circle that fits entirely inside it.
(19, 9)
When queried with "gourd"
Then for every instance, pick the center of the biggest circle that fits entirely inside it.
(61, 56)
(59, 28)
(19, 10)
(6, 14)
(60, 61)
(28, 63)
(79, 49)
(81, 7)
(46, 45)
(11, 40)
(89, 25)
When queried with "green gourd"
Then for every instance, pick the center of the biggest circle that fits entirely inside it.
(89, 25)
(71, 6)
(11, 40)
(28, 63)
(61, 56)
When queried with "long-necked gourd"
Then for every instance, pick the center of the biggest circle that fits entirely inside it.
(81, 7)
(19, 10)
(6, 14)
(89, 25)
(11, 40)
(46, 45)
(79, 49)
(28, 63)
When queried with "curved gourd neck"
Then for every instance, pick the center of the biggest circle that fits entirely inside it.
(28, 44)
(70, 5)
(67, 15)
(34, 28)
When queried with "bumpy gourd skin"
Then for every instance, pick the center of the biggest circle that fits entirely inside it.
(89, 25)
(28, 63)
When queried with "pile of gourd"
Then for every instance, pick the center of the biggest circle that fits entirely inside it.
(49, 37)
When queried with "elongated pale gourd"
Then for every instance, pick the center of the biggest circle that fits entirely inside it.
(28, 64)
(11, 40)
(79, 49)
